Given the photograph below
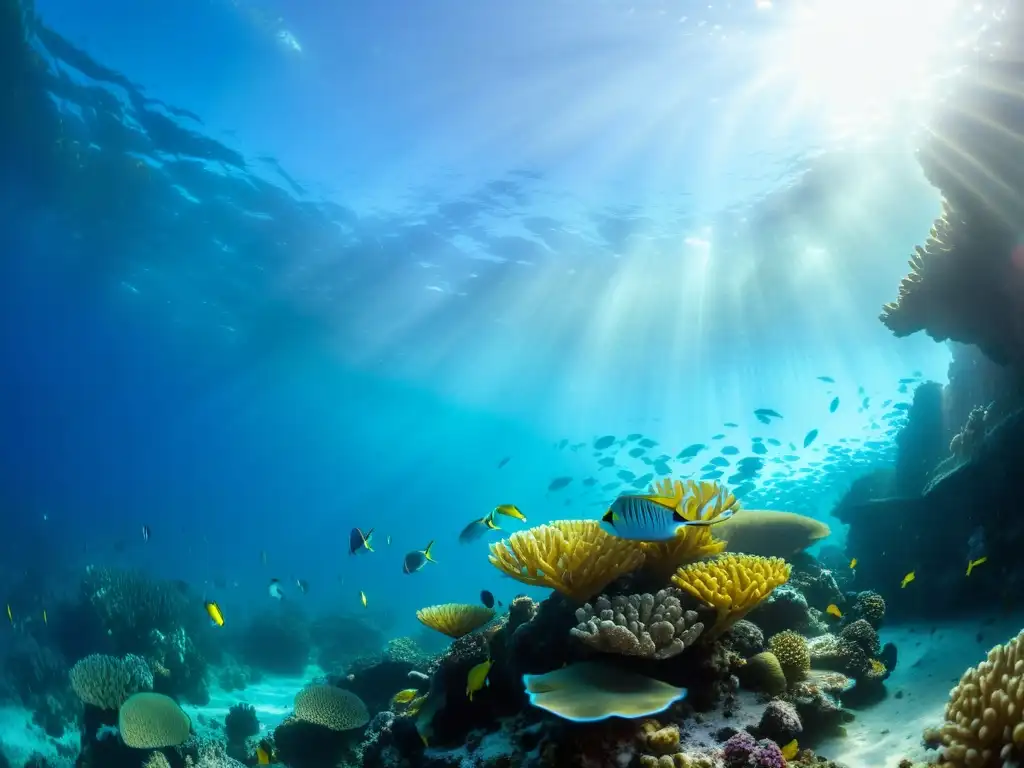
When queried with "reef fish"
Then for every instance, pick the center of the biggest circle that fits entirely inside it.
(907, 579)
(810, 437)
(559, 483)
(975, 563)
(415, 560)
(404, 696)
(274, 589)
(478, 528)
(477, 678)
(213, 611)
(265, 753)
(362, 598)
(650, 518)
(509, 510)
(833, 405)
(604, 442)
(359, 541)
(487, 598)
(833, 610)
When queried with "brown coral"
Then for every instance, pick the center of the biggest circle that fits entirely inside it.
(654, 626)
(574, 557)
(455, 619)
(732, 585)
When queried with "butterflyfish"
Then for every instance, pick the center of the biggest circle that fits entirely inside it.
(650, 518)
(477, 678)
(264, 753)
(789, 751)
(509, 510)
(833, 610)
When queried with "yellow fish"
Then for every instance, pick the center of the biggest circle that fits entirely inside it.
(362, 598)
(789, 751)
(833, 610)
(853, 563)
(975, 563)
(907, 579)
(213, 611)
(9, 614)
(477, 678)
(264, 753)
(509, 510)
(404, 696)
(44, 617)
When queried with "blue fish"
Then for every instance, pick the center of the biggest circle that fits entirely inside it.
(833, 405)
(359, 541)
(649, 518)
(810, 437)
(415, 560)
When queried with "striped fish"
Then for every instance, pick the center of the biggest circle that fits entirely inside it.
(649, 518)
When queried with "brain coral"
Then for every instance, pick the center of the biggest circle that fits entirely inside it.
(152, 721)
(790, 648)
(985, 714)
(107, 681)
(331, 707)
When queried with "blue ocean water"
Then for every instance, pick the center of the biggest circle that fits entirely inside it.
(282, 270)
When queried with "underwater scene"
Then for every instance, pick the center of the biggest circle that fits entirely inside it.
(547, 384)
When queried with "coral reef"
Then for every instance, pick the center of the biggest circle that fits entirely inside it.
(455, 620)
(106, 682)
(574, 557)
(732, 585)
(653, 626)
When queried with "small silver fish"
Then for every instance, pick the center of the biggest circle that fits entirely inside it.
(649, 518)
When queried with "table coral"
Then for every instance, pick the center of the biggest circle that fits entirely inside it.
(455, 619)
(653, 626)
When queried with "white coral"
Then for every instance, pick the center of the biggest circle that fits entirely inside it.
(653, 626)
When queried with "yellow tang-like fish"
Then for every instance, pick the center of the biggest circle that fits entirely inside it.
(213, 611)
(789, 751)
(907, 579)
(477, 678)
(853, 563)
(509, 510)
(833, 610)
(404, 696)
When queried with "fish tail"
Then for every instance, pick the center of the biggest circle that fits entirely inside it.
(366, 545)
(426, 553)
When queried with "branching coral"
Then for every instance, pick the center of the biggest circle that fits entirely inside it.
(732, 585)
(985, 714)
(698, 501)
(455, 619)
(107, 681)
(654, 626)
(574, 557)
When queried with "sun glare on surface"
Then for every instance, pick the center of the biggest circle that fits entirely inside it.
(857, 63)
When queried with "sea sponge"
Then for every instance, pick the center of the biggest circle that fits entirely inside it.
(732, 585)
(790, 648)
(985, 714)
(107, 681)
(864, 635)
(331, 707)
(869, 606)
(152, 721)
(763, 672)
(574, 557)
(590, 691)
(654, 626)
(769, 533)
(455, 619)
(697, 501)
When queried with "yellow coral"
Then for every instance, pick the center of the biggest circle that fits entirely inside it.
(698, 501)
(732, 585)
(985, 714)
(455, 619)
(574, 557)
(790, 648)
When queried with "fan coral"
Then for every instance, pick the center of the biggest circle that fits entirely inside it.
(732, 585)
(574, 557)
(985, 714)
(764, 672)
(864, 635)
(791, 650)
(698, 501)
(152, 721)
(869, 606)
(455, 619)
(648, 625)
(331, 707)
(107, 681)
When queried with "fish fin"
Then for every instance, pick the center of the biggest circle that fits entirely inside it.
(426, 553)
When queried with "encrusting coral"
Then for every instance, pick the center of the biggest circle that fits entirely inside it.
(732, 585)
(654, 626)
(455, 619)
(574, 557)
(985, 714)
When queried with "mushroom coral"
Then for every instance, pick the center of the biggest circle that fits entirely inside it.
(574, 557)
(697, 501)
(732, 585)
